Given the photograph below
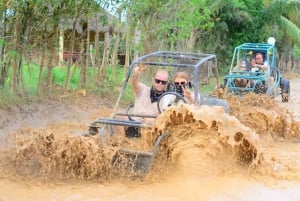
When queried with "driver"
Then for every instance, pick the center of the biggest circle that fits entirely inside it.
(260, 63)
(146, 97)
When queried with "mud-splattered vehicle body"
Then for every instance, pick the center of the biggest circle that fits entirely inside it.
(269, 81)
(198, 66)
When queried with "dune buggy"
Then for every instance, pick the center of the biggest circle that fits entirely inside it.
(199, 66)
(269, 81)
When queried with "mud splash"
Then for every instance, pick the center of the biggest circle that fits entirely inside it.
(207, 156)
(208, 131)
(264, 115)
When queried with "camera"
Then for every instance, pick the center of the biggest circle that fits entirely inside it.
(179, 89)
(175, 88)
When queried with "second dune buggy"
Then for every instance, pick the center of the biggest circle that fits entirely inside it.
(269, 81)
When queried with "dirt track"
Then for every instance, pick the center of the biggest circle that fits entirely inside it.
(193, 178)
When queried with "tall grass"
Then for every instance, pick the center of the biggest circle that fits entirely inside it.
(59, 75)
(108, 86)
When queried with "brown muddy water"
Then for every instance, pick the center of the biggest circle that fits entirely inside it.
(251, 154)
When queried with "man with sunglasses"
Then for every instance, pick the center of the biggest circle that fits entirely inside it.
(146, 97)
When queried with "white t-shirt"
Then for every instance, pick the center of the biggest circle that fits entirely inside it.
(256, 69)
(142, 104)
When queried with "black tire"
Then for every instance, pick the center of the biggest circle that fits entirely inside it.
(93, 130)
(261, 89)
(285, 90)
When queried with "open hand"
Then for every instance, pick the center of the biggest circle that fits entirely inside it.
(139, 69)
(186, 92)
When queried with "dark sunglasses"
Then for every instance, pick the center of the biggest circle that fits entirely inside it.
(157, 81)
(180, 83)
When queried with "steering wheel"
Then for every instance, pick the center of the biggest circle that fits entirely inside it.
(167, 99)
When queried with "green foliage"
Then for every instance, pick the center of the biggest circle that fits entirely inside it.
(13, 53)
(107, 86)
(223, 70)
(236, 22)
(192, 15)
(210, 87)
(284, 19)
(110, 84)
(218, 26)
(31, 76)
(59, 76)
(297, 51)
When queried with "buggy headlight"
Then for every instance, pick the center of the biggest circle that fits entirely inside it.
(271, 40)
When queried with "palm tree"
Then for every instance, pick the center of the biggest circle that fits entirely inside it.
(284, 22)
(286, 15)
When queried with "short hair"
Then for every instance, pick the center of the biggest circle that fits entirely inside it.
(162, 72)
(261, 54)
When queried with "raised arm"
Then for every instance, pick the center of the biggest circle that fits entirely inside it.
(135, 80)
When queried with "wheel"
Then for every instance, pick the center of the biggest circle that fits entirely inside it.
(167, 99)
(260, 88)
(285, 90)
(93, 130)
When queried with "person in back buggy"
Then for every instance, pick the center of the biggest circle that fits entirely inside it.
(243, 69)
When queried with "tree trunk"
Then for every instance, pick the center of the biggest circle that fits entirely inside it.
(49, 73)
(4, 64)
(66, 85)
(61, 48)
(127, 44)
(40, 81)
(115, 61)
(137, 38)
(96, 67)
(192, 40)
(116, 48)
(13, 75)
(105, 52)
(16, 56)
(85, 50)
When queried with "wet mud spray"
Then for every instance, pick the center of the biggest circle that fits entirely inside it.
(259, 139)
(205, 135)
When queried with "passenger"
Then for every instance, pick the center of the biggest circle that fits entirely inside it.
(183, 86)
(253, 64)
(241, 66)
(240, 82)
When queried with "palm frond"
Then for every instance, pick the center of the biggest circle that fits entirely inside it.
(291, 29)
